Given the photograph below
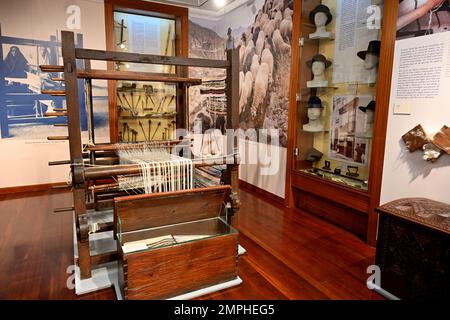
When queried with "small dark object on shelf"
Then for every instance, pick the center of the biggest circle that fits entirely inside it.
(327, 166)
(313, 155)
(415, 139)
(337, 171)
(352, 171)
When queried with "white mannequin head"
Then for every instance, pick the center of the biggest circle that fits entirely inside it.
(371, 61)
(318, 68)
(314, 113)
(320, 19)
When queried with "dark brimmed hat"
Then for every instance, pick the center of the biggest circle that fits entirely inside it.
(319, 58)
(321, 8)
(374, 47)
(314, 102)
(370, 106)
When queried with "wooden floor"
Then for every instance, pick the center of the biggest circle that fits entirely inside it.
(290, 254)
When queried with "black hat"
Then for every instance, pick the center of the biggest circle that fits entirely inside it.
(320, 58)
(370, 106)
(374, 47)
(314, 102)
(321, 8)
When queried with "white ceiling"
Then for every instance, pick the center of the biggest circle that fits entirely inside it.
(208, 5)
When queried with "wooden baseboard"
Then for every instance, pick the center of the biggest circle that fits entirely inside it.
(31, 188)
(261, 192)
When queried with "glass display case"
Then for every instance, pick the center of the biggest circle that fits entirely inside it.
(338, 66)
(171, 235)
(146, 110)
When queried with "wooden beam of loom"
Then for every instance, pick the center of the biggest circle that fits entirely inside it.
(135, 76)
(111, 171)
(150, 59)
(134, 146)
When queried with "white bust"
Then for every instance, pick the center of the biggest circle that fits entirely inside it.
(315, 120)
(371, 65)
(319, 80)
(320, 21)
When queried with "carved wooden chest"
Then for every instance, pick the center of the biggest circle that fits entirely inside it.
(413, 249)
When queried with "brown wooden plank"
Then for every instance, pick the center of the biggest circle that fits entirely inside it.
(346, 217)
(346, 196)
(57, 138)
(294, 115)
(54, 92)
(149, 59)
(103, 258)
(168, 272)
(135, 76)
(388, 38)
(51, 68)
(159, 209)
(107, 171)
(55, 114)
(59, 162)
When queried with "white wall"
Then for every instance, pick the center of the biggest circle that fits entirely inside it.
(407, 174)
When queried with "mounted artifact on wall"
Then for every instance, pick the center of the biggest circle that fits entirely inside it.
(433, 148)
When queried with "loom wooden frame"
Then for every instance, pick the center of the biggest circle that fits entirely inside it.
(78, 158)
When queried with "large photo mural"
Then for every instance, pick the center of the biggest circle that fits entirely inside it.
(262, 33)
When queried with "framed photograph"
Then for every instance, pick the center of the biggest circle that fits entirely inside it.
(346, 123)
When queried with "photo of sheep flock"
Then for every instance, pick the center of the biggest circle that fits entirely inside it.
(264, 47)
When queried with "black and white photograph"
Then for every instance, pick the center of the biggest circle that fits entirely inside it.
(262, 34)
(346, 123)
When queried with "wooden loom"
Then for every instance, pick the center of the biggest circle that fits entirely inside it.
(97, 179)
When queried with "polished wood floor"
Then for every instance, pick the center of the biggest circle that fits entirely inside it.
(290, 254)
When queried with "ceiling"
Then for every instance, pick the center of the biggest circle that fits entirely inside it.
(208, 5)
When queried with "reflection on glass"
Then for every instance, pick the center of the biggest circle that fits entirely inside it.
(147, 110)
(166, 236)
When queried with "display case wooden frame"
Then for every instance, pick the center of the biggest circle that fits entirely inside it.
(180, 15)
(347, 207)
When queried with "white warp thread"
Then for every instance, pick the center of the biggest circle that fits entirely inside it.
(160, 171)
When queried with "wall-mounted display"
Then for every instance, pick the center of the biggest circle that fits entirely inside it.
(433, 146)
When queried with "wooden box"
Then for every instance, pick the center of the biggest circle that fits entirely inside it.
(413, 249)
(173, 243)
